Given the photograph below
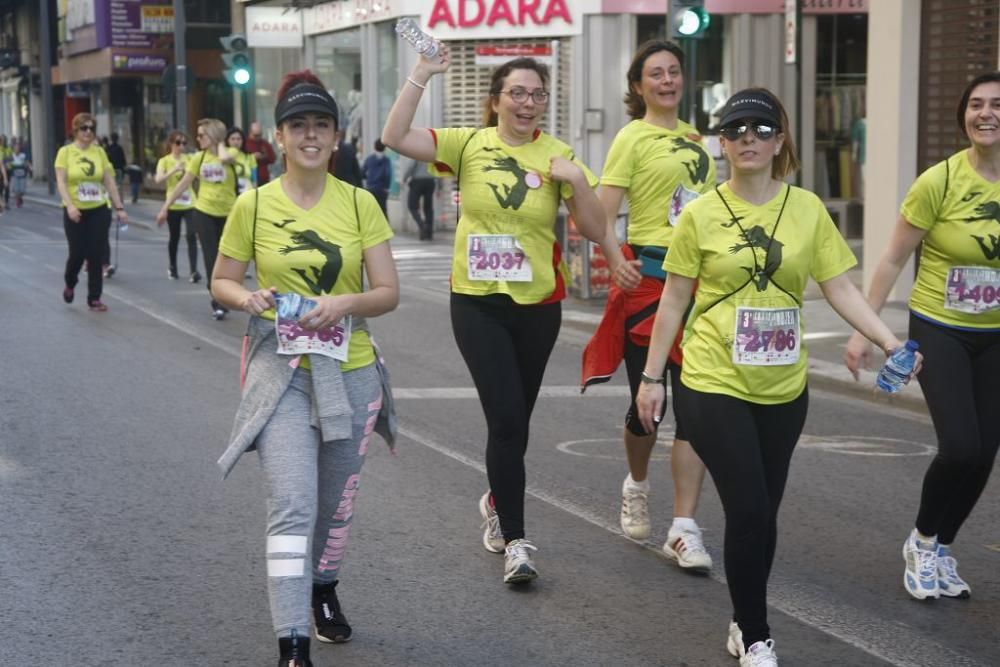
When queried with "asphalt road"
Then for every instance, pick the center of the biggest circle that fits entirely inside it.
(119, 544)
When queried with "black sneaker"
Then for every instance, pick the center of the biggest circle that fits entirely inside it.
(195, 277)
(331, 624)
(294, 651)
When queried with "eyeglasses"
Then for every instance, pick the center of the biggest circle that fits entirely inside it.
(87, 128)
(521, 95)
(180, 142)
(762, 131)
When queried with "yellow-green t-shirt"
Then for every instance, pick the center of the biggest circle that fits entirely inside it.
(961, 212)
(764, 266)
(216, 182)
(245, 165)
(167, 164)
(661, 170)
(85, 174)
(508, 195)
(313, 253)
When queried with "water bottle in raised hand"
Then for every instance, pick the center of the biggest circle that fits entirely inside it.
(422, 43)
(897, 368)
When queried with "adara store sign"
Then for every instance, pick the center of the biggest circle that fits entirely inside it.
(494, 19)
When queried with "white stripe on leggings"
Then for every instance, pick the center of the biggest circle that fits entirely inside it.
(285, 567)
(286, 544)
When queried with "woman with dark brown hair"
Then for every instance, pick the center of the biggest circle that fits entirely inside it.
(86, 179)
(507, 280)
(170, 169)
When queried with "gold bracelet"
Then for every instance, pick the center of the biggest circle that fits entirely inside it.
(421, 86)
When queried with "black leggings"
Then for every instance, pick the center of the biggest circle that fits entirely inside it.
(422, 189)
(174, 219)
(635, 362)
(747, 448)
(209, 230)
(506, 347)
(960, 379)
(87, 239)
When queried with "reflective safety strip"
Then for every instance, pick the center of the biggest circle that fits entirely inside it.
(286, 544)
(285, 567)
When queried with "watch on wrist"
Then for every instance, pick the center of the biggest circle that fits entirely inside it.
(645, 378)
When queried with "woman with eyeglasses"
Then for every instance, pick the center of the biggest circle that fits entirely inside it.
(246, 163)
(951, 214)
(214, 167)
(85, 180)
(170, 170)
(751, 245)
(507, 278)
(309, 416)
(659, 162)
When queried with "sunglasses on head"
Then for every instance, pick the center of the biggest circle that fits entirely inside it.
(88, 128)
(761, 130)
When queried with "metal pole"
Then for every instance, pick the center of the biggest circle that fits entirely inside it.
(49, 143)
(180, 64)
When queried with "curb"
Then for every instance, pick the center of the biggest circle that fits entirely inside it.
(836, 378)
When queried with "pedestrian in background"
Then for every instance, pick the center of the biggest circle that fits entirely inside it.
(420, 193)
(660, 163)
(262, 151)
(310, 420)
(135, 177)
(170, 170)
(85, 179)
(116, 154)
(6, 155)
(20, 169)
(955, 316)
(345, 161)
(245, 163)
(378, 174)
(507, 279)
(752, 246)
(213, 168)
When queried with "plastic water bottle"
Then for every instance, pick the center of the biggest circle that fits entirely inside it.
(421, 42)
(897, 368)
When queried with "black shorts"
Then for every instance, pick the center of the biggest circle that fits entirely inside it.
(635, 361)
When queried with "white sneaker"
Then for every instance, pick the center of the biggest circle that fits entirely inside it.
(492, 536)
(760, 654)
(635, 512)
(921, 574)
(518, 566)
(685, 547)
(950, 585)
(734, 643)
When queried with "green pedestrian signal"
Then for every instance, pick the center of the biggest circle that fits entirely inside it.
(238, 70)
(688, 19)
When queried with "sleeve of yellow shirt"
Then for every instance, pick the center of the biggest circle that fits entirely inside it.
(922, 204)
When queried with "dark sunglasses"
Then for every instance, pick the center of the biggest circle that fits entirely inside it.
(762, 131)
(88, 128)
(180, 142)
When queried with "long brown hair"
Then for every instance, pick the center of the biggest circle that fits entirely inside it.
(634, 104)
(499, 77)
(173, 136)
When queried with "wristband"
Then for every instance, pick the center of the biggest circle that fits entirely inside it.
(421, 86)
(649, 379)
(119, 208)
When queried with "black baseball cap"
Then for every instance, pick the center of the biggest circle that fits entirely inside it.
(752, 103)
(306, 98)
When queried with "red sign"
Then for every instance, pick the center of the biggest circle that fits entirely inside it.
(514, 51)
(476, 13)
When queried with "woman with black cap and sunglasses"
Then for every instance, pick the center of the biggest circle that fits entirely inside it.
(310, 416)
(751, 245)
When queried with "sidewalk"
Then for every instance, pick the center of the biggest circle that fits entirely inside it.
(826, 333)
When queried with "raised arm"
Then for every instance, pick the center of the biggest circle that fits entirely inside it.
(399, 133)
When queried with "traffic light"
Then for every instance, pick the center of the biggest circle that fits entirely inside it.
(688, 19)
(238, 70)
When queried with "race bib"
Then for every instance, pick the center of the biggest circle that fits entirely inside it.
(89, 192)
(497, 257)
(293, 339)
(213, 173)
(681, 197)
(766, 336)
(972, 289)
(185, 199)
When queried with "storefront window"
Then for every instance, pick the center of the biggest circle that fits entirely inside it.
(159, 123)
(270, 66)
(338, 65)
